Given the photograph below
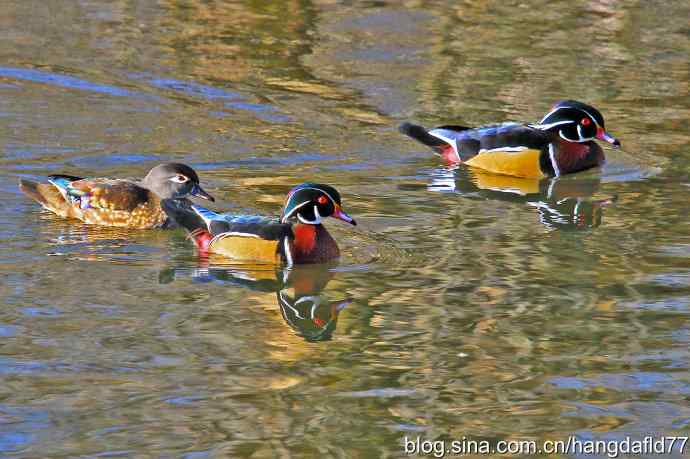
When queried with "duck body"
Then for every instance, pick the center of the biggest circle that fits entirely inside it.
(297, 237)
(116, 202)
(268, 241)
(561, 143)
(99, 201)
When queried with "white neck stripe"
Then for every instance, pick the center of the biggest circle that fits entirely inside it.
(554, 163)
(288, 254)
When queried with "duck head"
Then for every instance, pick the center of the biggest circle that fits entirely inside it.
(311, 202)
(175, 181)
(576, 122)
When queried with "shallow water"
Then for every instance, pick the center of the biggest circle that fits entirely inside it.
(457, 310)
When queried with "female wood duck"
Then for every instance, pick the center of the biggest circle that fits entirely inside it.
(117, 202)
(297, 237)
(561, 143)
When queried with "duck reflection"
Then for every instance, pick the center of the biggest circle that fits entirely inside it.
(565, 203)
(299, 291)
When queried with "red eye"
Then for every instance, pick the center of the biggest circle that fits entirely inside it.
(586, 122)
(322, 199)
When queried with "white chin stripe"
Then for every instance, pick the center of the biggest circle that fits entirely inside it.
(316, 221)
(583, 138)
(560, 134)
(294, 209)
(579, 133)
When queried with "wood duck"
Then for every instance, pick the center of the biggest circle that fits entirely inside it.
(117, 202)
(297, 237)
(561, 143)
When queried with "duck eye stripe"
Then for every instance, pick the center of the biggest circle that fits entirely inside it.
(312, 188)
(544, 127)
(562, 107)
(591, 117)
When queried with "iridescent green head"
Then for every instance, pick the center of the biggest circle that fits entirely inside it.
(576, 122)
(310, 202)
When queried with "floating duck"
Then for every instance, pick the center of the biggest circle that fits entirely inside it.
(297, 237)
(117, 202)
(563, 142)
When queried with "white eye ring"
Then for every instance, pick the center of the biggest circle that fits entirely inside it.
(179, 178)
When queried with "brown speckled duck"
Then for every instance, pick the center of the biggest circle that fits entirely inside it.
(117, 202)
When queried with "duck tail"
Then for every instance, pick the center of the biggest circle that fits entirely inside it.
(420, 134)
(443, 140)
(46, 195)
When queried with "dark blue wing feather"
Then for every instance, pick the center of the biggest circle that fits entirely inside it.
(248, 219)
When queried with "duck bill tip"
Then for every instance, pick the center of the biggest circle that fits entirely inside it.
(201, 193)
(606, 137)
(341, 215)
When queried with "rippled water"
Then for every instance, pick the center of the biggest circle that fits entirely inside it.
(458, 310)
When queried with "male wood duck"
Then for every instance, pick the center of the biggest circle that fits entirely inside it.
(561, 143)
(117, 202)
(297, 237)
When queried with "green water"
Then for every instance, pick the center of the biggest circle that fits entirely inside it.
(456, 311)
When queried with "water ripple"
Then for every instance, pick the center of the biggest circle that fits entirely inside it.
(64, 81)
